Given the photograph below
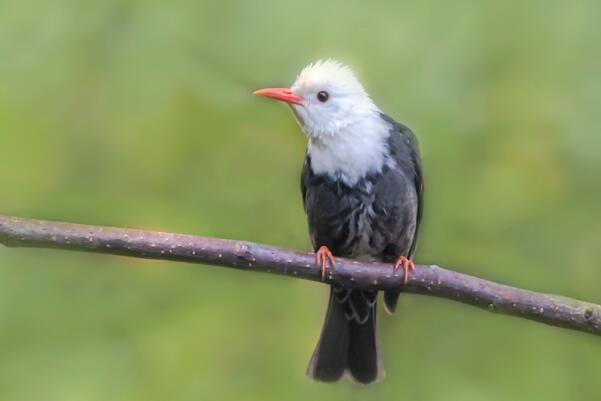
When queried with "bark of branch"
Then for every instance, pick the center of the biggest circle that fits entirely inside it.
(428, 280)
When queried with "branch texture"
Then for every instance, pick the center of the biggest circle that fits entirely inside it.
(428, 280)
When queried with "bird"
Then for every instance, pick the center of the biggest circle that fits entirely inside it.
(362, 192)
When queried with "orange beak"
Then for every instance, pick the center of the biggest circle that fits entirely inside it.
(281, 94)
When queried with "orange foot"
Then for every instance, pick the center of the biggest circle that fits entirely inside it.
(407, 265)
(323, 255)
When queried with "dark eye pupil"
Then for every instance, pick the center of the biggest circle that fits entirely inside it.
(323, 96)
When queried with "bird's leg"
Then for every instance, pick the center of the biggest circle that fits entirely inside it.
(407, 265)
(322, 256)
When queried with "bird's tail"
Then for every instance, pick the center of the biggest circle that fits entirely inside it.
(347, 344)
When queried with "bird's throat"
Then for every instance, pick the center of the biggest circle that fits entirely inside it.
(352, 153)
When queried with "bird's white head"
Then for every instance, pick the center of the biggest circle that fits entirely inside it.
(347, 134)
(326, 98)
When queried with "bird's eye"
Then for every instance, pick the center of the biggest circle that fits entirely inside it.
(323, 96)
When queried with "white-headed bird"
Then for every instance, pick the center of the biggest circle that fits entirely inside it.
(362, 190)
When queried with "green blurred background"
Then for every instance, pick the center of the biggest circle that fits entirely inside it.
(139, 113)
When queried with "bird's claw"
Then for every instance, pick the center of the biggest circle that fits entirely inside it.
(407, 265)
(322, 256)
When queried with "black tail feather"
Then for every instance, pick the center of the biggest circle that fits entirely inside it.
(346, 345)
(363, 356)
(329, 359)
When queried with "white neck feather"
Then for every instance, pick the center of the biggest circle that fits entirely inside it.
(353, 152)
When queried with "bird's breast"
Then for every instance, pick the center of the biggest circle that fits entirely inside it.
(342, 216)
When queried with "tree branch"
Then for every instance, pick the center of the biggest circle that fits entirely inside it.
(428, 280)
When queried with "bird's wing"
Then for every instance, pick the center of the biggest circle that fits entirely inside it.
(404, 148)
(304, 181)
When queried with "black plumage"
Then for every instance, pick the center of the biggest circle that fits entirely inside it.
(377, 218)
